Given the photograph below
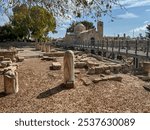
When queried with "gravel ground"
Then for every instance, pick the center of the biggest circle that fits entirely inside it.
(41, 90)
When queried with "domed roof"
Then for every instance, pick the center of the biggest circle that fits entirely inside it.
(79, 28)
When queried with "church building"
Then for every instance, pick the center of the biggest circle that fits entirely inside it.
(81, 34)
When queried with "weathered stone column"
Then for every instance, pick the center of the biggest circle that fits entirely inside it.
(11, 82)
(43, 48)
(146, 67)
(47, 48)
(69, 78)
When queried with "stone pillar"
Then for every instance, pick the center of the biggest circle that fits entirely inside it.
(43, 48)
(11, 82)
(69, 78)
(146, 67)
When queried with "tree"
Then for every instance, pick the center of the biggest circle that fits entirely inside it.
(20, 21)
(88, 25)
(7, 33)
(42, 22)
(148, 31)
(35, 21)
(69, 8)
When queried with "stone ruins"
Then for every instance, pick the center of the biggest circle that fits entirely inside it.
(73, 63)
(8, 69)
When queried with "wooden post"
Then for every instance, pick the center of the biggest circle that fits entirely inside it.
(69, 77)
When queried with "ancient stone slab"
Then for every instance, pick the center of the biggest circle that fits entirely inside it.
(55, 66)
(86, 81)
(80, 65)
(49, 58)
(5, 63)
(92, 64)
(7, 59)
(84, 60)
(20, 58)
(113, 77)
(69, 76)
(54, 54)
(77, 72)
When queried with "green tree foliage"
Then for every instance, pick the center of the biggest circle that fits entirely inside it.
(7, 33)
(20, 21)
(88, 25)
(148, 31)
(41, 22)
(35, 21)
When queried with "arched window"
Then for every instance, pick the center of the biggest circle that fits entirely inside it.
(92, 41)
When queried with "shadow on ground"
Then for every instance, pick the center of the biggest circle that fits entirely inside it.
(52, 91)
(2, 94)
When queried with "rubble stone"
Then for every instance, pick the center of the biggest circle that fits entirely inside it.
(1, 58)
(86, 81)
(91, 71)
(55, 66)
(80, 65)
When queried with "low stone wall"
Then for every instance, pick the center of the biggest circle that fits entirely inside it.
(55, 54)
(8, 54)
(16, 44)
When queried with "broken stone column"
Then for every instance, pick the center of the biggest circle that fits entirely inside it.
(146, 67)
(47, 48)
(11, 82)
(69, 78)
(43, 48)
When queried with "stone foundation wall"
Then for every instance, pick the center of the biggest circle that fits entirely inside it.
(8, 54)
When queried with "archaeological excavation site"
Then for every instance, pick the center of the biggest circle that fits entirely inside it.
(56, 78)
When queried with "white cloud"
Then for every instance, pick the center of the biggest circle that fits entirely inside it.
(127, 15)
(147, 10)
(134, 3)
(146, 22)
(140, 29)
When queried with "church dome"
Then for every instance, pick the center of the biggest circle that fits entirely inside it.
(79, 28)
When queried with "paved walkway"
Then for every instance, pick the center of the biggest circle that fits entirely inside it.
(29, 52)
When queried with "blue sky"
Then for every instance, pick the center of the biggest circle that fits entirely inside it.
(133, 19)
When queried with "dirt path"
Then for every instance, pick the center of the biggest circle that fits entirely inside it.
(40, 90)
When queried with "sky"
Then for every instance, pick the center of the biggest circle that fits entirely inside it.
(132, 20)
